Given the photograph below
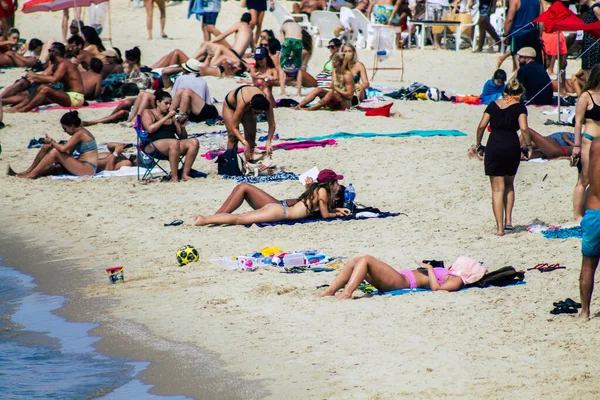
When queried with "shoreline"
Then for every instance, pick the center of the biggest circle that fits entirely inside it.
(173, 368)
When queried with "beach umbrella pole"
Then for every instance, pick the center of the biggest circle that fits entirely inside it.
(559, 70)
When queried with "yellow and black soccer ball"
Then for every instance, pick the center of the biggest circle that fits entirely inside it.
(187, 254)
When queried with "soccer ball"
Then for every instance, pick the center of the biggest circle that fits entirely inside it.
(187, 254)
(433, 94)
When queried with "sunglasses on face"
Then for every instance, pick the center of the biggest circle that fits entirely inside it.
(331, 46)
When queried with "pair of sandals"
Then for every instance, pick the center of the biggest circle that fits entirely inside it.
(547, 267)
(569, 306)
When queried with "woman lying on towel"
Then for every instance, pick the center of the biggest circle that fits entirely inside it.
(319, 197)
(114, 159)
(56, 159)
(385, 278)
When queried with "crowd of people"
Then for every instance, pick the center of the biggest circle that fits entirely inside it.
(82, 69)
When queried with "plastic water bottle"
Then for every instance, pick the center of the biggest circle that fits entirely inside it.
(349, 196)
(271, 6)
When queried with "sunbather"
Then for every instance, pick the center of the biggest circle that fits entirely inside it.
(55, 159)
(386, 278)
(264, 74)
(168, 136)
(359, 71)
(319, 197)
(114, 159)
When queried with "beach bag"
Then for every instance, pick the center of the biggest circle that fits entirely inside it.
(502, 277)
(228, 163)
(468, 269)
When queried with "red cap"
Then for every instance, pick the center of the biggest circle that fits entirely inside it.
(328, 175)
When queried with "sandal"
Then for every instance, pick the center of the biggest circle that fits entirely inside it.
(567, 303)
(538, 266)
(177, 222)
(564, 310)
(551, 268)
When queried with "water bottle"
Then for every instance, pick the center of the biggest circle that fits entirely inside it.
(383, 52)
(349, 200)
(271, 6)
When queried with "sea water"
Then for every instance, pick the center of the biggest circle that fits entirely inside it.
(43, 356)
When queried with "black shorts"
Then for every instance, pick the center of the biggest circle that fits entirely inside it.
(208, 112)
(258, 5)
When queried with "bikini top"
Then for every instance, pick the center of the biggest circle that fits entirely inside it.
(594, 113)
(84, 147)
(356, 78)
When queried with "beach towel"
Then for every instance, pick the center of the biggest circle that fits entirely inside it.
(195, 8)
(278, 177)
(305, 144)
(422, 133)
(563, 233)
(123, 171)
(400, 292)
(311, 220)
(89, 105)
(491, 92)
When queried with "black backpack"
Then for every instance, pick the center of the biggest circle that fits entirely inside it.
(502, 277)
(228, 164)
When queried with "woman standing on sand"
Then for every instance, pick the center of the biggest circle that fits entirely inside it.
(503, 151)
(320, 198)
(149, 6)
(55, 159)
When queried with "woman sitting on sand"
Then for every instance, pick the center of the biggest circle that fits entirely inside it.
(340, 95)
(93, 43)
(319, 197)
(168, 137)
(386, 278)
(56, 159)
(359, 72)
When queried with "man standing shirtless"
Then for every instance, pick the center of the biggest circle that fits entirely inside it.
(590, 225)
(63, 71)
(219, 46)
(242, 106)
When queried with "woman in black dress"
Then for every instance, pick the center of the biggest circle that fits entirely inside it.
(503, 151)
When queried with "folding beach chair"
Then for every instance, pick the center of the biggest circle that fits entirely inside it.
(326, 22)
(149, 160)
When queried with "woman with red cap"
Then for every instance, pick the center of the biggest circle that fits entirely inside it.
(319, 197)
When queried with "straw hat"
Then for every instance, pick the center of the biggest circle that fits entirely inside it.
(527, 52)
(192, 65)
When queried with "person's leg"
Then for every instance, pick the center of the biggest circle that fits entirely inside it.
(200, 54)
(586, 284)
(189, 148)
(171, 149)
(548, 146)
(72, 165)
(163, 16)
(17, 87)
(45, 149)
(582, 181)
(329, 99)
(144, 101)
(149, 6)
(296, 7)
(232, 140)
(317, 92)
(43, 95)
(176, 100)
(509, 199)
(193, 102)
(481, 38)
(255, 197)
(249, 124)
(259, 20)
(490, 29)
(121, 112)
(254, 23)
(497, 183)
(268, 213)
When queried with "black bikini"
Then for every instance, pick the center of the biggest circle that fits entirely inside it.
(594, 113)
(164, 132)
(235, 93)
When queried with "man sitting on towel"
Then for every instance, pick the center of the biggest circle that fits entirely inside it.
(534, 78)
(63, 71)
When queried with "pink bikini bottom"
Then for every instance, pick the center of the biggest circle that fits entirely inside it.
(410, 276)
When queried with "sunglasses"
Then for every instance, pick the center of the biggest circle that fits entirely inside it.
(332, 46)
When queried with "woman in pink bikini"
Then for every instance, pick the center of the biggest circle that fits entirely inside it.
(386, 278)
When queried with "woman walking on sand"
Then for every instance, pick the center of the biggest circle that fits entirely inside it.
(149, 5)
(503, 151)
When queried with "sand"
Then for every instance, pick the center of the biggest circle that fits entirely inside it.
(271, 329)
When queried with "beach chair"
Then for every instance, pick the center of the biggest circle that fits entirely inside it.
(373, 33)
(149, 160)
(346, 20)
(280, 12)
(325, 22)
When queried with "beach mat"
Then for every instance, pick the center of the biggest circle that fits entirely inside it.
(278, 177)
(304, 144)
(400, 292)
(90, 105)
(563, 233)
(422, 133)
(123, 171)
(311, 220)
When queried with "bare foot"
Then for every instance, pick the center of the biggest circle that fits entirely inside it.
(199, 221)
(343, 295)
(11, 110)
(326, 293)
(500, 232)
(297, 108)
(583, 316)
(10, 171)
(186, 178)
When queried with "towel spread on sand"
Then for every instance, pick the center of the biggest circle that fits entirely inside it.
(278, 177)
(310, 220)
(304, 144)
(399, 292)
(563, 233)
(90, 105)
(123, 171)
(423, 133)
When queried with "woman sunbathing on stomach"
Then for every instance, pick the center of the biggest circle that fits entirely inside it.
(320, 196)
(386, 278)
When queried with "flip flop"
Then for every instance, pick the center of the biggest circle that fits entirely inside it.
(509, 228)
(551, 268)
(568, 303)
(538, 266)
(564, 310)
(177, 222)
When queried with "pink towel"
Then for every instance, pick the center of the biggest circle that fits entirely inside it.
(303, 144)
(90, 105)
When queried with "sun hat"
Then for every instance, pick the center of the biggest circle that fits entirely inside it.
(468, 269)
(328, 175)
(527, 52)
(260, 53)
(288, 18)
(110, 53)
(191, 65)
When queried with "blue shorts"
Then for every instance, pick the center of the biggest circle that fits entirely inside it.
(210, 18)
(590, 226)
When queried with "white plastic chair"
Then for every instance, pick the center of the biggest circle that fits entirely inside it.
(369, 32)
(346, 17)
(325, 22)
(280, 12)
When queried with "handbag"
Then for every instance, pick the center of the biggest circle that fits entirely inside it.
(228, 163)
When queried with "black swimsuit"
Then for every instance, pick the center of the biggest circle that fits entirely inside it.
(164, 132)
(594, 113)
(235, 93)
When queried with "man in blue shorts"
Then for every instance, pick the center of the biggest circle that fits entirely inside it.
(209, 18)
(590, 225)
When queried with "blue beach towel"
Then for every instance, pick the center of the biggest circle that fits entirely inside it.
(310, 220)
(195, 7)
(491, 92)
(278, 177)
(563, 233)
(422, 133)
(400, 292)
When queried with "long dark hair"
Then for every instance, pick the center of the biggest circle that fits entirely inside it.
(307, 42)
(91, 37)
(307, 196)
(593, 82)
(270, 62)
(134, 55)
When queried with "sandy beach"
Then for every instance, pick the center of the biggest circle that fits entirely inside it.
(266, 334)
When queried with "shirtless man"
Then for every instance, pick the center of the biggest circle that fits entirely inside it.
(63, 71)
(242, 106)
(308, 6)
(219, 46)
(590, 225)
(92, 79)
(75, 46)
(113, 64)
